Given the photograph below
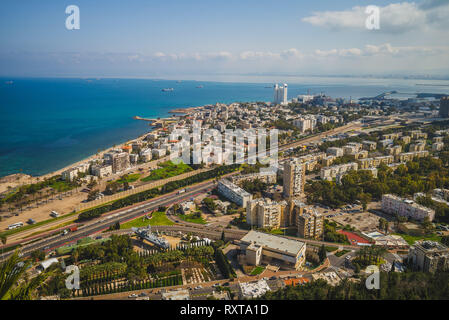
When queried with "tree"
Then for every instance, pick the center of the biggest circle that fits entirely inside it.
(12, 274)
(445, 240)
(322, 253)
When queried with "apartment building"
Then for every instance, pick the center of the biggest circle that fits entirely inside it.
(265, 213)
(393, 205)
(369, 145)
(101, 171)
(409, 156)
(406, 139)
(416, 134)
(417, 147)
(329, 173)
(72, 173)
(334, 151)
(429, 256)
(234, 193)
(266, 177)
(310, 224)
(375, 162)
(394, 150)
(437, 146)
(294, 178)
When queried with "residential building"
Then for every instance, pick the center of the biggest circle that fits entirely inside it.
(417, 147)
(329, 173)
(310, 224)
(234, 193)
(334, 151)
(409, 156)
(369, 145)
(437, 146)
(280, 94)
(393, 205)
(394, 150)
(294, 178)
(159, 153)
(146, 154)
(265, 213)
(429, 256)
(444, 107)
(101, 171)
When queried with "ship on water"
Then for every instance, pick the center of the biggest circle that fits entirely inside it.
(200, 86)
(167, 89)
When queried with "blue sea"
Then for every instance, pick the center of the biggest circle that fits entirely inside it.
(47, 124)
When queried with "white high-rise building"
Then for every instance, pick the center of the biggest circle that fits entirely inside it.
(280, 94)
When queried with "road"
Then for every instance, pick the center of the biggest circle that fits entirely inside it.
(137, 210)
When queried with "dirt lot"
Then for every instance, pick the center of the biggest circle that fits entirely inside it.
(362, 221)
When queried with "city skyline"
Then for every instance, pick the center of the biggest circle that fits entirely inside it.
(204, 38)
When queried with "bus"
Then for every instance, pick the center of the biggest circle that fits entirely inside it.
(54, 214)
(15, 225)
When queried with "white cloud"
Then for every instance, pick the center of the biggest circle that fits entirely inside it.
(394, 18)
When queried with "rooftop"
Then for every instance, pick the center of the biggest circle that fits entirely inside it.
(270, 241)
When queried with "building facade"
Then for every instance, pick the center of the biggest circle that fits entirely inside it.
(392, 204)
(294, 178)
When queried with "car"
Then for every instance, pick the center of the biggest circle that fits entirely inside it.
(133, 295)
(143, 294)
(273, 278)
(98, 237)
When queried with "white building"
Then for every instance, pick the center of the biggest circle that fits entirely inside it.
(392, 204)
(334, 151)
(261, 247)
(280, 94)
(329, 173)
(146, 154)
(159, 153)
(101, 171)
(234, 193)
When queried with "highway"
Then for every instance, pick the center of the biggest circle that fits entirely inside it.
(128, 213)
(106, 221)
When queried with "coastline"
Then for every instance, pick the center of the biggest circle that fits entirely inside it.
(17, 179)
(24, 178)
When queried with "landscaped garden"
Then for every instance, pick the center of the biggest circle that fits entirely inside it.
(158, 218)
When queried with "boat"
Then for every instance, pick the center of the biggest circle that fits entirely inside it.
(167, 89)
(200, 86)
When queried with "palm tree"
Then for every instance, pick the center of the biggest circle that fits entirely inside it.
(12, 279)
(3, 238)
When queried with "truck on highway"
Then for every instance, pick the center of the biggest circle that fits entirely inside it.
(181, 191)
(73, 229)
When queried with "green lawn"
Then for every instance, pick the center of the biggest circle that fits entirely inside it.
(62, 186)
(330, 248)
(257, 270)
(158, 219)
(192, 218)
(411, 239)
(81, 243)
(168, 169)
(129, 178)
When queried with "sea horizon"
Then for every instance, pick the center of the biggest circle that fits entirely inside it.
(49, 123)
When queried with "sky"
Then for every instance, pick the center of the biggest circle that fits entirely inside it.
(186, 38)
